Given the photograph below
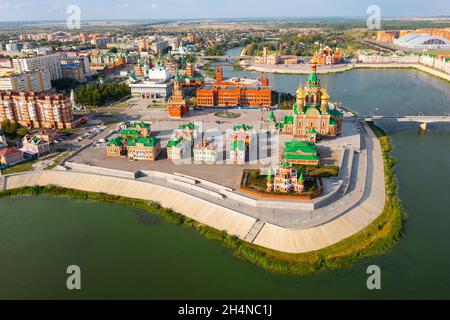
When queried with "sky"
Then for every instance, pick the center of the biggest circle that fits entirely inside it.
(27, 10)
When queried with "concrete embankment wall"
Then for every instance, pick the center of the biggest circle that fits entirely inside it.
(200, 210)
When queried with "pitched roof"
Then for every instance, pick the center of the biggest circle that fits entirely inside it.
(145, 141)
(140, 125)
(244, 127)
(238, 145)
(303, 147)
(271, 117)
(8, 151)
(174, 143)
(117, 141)
(130, 132)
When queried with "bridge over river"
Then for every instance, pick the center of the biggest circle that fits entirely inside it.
(225, 57)
(419, 118)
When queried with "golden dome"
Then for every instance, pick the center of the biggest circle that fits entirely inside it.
(325, 95)
(300, 92)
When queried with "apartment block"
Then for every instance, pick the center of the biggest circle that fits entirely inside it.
(48, 62)
(35, 110)
(37, 81)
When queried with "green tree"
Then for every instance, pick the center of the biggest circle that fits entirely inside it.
(22, 132)
(9, 128)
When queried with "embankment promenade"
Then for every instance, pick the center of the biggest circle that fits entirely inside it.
(296, 69)
(365, 210)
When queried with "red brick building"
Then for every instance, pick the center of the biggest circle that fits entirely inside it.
(234, 93)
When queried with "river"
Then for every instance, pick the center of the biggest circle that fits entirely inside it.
(126, 253)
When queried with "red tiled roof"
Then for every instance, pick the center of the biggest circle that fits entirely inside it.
(8, 151)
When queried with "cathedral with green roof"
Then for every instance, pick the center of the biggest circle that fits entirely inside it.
(312, 116)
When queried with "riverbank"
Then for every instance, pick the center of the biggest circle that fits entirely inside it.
(378, 237)
(348, 67)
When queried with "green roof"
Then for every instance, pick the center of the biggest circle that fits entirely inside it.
(295, 107)
(313, 80)
(312, 131)
(303, 147)
(147, 142)
(130, 132)
(35, 140)
(140, 125)
(174, 143)
(242, 126)
(301, 177)
(117, 141)
(270, 175)
(301, 157)
(271, 117)
(288, 119)
(336, 113)
(190, 125)
(286, 165)
(333, 122)
(238, 144)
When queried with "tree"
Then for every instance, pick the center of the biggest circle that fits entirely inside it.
(101, 94)
(22, 132)
(9, 128)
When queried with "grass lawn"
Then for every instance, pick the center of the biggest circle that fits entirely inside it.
(324, 171)
(120, 105)
(22, 167)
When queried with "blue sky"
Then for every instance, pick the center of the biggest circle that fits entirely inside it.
(20, 10)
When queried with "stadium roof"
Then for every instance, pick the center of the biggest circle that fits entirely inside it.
(418, 40)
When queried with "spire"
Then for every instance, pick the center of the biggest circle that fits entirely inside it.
(270, 175)
(313, 80)
(301, 177)
(271, 118)
(177, 75)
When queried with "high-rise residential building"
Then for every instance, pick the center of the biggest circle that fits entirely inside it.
(34, 110)
(160, 46)
(37, 81)
(50, 62)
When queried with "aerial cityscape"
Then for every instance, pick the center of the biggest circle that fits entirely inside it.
(176, 151)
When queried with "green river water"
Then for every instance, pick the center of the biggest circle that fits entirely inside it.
(126, 253)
